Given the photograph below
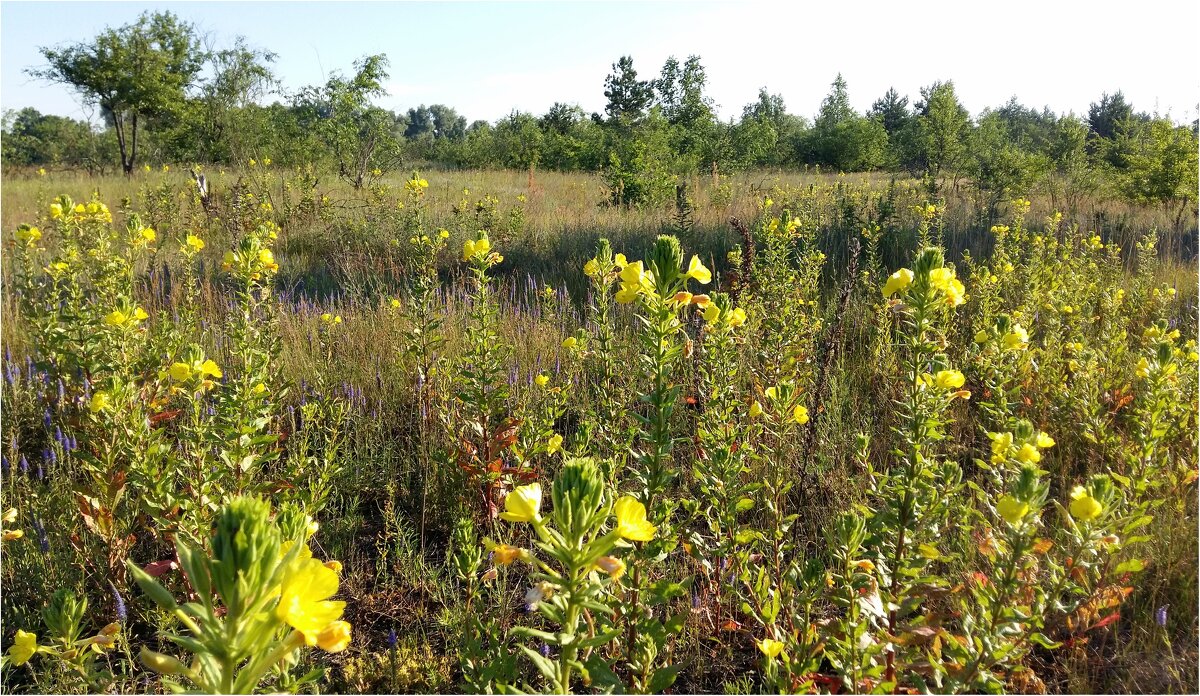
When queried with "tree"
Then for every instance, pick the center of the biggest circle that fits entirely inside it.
(359, 137)
(140, 70)
(942, 129)
(628, 97)
(841, 138)
(892, 111)
(1001, 168)
(35, 139)
(1105, 117)
(1160, 165)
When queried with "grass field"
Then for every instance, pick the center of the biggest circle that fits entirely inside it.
(757, 471)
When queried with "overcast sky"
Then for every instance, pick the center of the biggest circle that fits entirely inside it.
(487, 58)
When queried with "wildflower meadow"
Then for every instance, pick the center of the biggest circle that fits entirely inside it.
(258, 438)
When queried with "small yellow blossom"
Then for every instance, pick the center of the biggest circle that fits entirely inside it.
(631, 520)
(523, 504)
(770, 647)
(1011, 509)
(898, 281)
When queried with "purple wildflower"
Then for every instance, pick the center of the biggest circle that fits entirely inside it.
(1160, 615)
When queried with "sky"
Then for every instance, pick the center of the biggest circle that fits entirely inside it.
(486, 59)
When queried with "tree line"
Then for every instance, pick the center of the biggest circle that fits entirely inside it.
(167, 95)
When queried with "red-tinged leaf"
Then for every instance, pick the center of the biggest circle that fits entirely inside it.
(1107, 620)
(731, 625)
(158, 569)
(165, 416)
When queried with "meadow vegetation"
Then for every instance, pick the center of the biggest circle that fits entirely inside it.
(328, 399)
(850, 441)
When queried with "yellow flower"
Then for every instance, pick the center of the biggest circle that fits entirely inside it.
(982, 337)
(180, 372)
(940, 278)
(712, 313)
(756, 409)
(554, 444)
(898, 281)
(736, 318)
(116, 318)
(267, 258)
(627, 294)
(1143, 368)
(570, 342)
(253, 163)
(304, 599)
(56, 211)
(698, 272)
(591, 268)
(1001, 444)
(209, 368)
(542, 380)
(336, 636)
(1011, 509)
(523, 504)
(468, 250)
(259, 389)
(770, 647)
(619, 261)
(148, 234)
(1083, 506)
(100, 401)
(956, 294)
(394, 303)
(1044, 441)
(12, 534)
(1016, 339)
(701, 300)
(10, 516)
(194, 243)
(1028, 454)
(483, 246)
(24, 646)
(949, 379)
(631, 520)
(41, 171)
(504, 554)
(615, 567)
(800, 415)
(27, 234)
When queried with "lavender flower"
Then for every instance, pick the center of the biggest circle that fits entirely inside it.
(1160, 615)
(391, 638)
(118, 603)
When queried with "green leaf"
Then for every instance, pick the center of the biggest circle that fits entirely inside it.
(1133, 565)
(663, 679)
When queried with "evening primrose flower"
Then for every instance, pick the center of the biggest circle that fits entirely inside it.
(116, 318)
(523, 504)
(736, 318)
(504, 554)
(949, 379)
(554, 444)
(304, 602)
(100, 401)
(632, 524)
(56, 211)
(1083, 506)
(756, 409)
(898, 281)
(542, 380)
(148, 235)
(591, 268)
(1044, 441)
(940, 278)
(698, 272)
(27, 234)
(12, 534)
(615, 567)
(800, 415)
(194, 243)
(1011, 509)
(570, 342)
(1016, 339)
(770, 647)
(24, 647)
(267, 258)
(1143, 368)
(335, 637)
(955, 293)
(180, 371)
(712, 313)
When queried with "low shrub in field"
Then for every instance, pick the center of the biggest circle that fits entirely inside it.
(934, 477)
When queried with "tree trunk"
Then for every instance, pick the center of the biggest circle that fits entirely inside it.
(133, 147)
